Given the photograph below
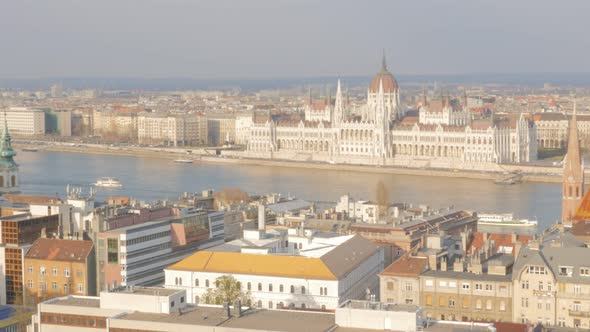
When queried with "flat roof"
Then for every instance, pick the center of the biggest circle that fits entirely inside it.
(259, 319)
(153, 291)
(78, 302)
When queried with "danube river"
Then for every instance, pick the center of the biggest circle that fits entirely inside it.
(48, 173)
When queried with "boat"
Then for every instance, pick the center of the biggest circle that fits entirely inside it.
(183, 161)
(505, 181)
(503, 219)
(30, 149)
(108, 183)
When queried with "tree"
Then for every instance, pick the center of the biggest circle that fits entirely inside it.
(227, 289)
(229, 196)
(382, 197)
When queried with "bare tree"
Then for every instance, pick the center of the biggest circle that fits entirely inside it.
(228, 196)
(382, 197)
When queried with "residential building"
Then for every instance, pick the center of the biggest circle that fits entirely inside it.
(18, 232)
(552, 282)
(56, 267)
(400, 281)
(58, 122)
(23, 121)
(173, 130)
(222, 129)
(294, 269)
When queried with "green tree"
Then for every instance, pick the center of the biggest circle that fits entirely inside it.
(227, 289)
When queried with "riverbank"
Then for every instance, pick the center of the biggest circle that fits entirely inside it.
(530, 173)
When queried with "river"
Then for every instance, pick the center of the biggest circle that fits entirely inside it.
(48, 173)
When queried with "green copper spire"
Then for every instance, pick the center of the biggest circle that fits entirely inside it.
(6, 151)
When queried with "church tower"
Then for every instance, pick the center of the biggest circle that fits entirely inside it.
(573, 175)
(8, 168)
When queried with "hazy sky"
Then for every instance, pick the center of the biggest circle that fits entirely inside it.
(298, 38)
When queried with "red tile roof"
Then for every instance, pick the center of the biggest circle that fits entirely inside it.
(406, 266)
(500, 240)
(60, 250)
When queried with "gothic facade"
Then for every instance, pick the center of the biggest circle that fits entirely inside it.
(443, 134)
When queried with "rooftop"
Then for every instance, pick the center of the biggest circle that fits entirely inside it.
(60, 250)
(152, 291)
(407, 266)
(78, 301)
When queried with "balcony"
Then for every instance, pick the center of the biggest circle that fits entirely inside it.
(576, 313)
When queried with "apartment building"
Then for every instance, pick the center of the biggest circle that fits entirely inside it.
(221, 129)
(18, 232)
(24, 121)
(173, 130)
(56, 267)
(400, 281)
(552, 282)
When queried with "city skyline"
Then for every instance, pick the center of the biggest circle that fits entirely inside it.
(158, 39)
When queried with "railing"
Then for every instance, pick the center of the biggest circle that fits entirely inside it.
(579, 313)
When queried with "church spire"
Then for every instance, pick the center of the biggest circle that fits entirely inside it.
(573, 173)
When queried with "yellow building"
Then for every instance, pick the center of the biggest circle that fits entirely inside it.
(55, 267)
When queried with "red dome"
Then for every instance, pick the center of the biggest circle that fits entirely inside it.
(389, 82)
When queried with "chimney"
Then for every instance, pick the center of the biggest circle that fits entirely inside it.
(238, 308)
(458, 266)
(226, 309)
(261, 217)
(443, 264)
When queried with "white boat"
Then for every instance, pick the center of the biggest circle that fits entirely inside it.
(183, 161)
(108, 183)
(503, 219)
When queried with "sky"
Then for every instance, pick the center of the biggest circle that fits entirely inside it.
(261, 39)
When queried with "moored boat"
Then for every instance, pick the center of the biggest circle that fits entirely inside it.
(503, 219)
(108, 182)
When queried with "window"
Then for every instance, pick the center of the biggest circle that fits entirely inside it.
(489, 287)
(54, 286)
(585, 271)
(577, 289)
(478, 287)
(540, 285)
(182, 299)
(54, 271)
(429, 283)
(539, 305)
(465, 286)
(259, 303)
(502, 289)
(292, 289)
(196, 282)
(525, 284)
(428, 299)
(67, 273)
(30, 283)
(270, 287)
(249, 286)
(548, 306)
(30, 268)
(67, 288)
(302, 305)
(502, 305)
(489, 305)
(260, 287)
(172, 304)
(408, 301)
(465, 302)
(537, 270)
(549, 286)
(281, 288)
(270, 304)
(112, 251)
(478, 304)
(452, 284)
(302, 289)
(207, 283)
(566, 271)
(577, 306)
(442, 284)
(451, 302)
(441, 301)
(524, 302)
(80, 288)
(42, 270)
(390, 285)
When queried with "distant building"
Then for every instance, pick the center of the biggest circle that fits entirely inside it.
(55, 267)
(222, 129)
(23, 121)
(58, 122)
(172, 130)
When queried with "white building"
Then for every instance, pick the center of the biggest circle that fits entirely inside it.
(443, 133)
(189, 129)
(280, 269)
(24, 121)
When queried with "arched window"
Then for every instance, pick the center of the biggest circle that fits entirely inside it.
(441, 301)
(270, 287)
(465, 302)
(489, 305)
(259, 287)
(281, 288)
(451, 302)
(302, 305)
(302, 289)
(196, 282)
(249, 286)
(292, 289)
(502, 306)
(478, 304)
(206, 282)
